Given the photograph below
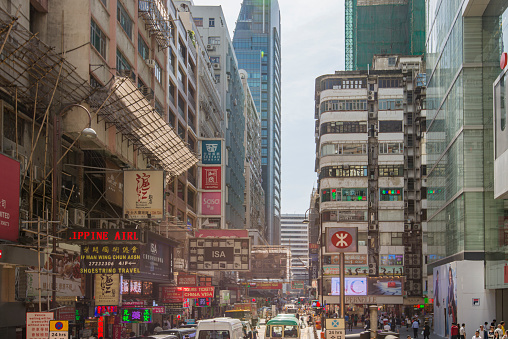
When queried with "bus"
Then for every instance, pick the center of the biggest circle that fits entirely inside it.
(282, 327)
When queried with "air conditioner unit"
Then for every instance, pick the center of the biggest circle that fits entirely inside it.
(210, 47)
(38, 174)
(372, 115)
(370, 204)
(407, 227)
(216, 66)
(64, 217)
(406, 205)
(23, 214)
(103, 224)
(335, 87)
(145, 90)
(77, 217)
(228, 77)
(417, 227)
(150, 63)
(373, 227)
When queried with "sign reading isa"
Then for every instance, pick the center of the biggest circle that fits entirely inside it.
(211, 150)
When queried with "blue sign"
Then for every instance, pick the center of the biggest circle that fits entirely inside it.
(211, 152)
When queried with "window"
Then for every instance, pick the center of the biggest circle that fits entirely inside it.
(215, 60)
(143, 48)
(123, 65)
(214, 40)
(158, 72)
(191, 198)
(344, 127)
(213, 334)
(172, 62)
(94, 82)
(389, 82)
(181, 131)
(124, 19)
(343, 171)
(343, 105)
(391, 170)
(179, 215)
(390, 126)
(391, 148)
(343, 149)
(171, 90)
(335, 83)
(211, 22)
(390, 104)
(158, 108)
(344, 194)
(180, 189)
(105, 3)
(98, 39)
(198, 22)
(392, 61)
(390, 194)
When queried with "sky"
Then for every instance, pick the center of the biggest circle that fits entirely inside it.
(312, 35)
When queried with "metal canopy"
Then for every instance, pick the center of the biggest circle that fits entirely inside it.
(126, 107)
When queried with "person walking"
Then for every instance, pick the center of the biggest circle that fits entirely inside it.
(462, 331)
(477, 335)
(415, 327)
(454, 331)
(426, 330)
(350, 323)
(355, 320)
(408, 323)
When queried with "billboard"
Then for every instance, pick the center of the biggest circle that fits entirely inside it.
(103, 236)
(260, 285)
(219, 254)
(211, 203)
(9, 198)
(385, 286)
(297, 285)
(186, 280)
(211, 178)
(211, 152)
(341, 239)
(354, 286)
(173, 294)
(222, 233)
(143, 196)
(110, 259)
(107, 289)
(155, 259)
(266, 265)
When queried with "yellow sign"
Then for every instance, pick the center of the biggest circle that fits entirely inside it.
(335, 324)
(58, 326)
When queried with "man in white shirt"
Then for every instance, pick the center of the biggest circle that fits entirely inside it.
(387, 327)
(477, 335)
(415, 327)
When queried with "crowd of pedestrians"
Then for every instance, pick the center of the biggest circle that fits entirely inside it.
(493, 331)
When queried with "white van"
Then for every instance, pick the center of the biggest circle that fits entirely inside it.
(220, 328)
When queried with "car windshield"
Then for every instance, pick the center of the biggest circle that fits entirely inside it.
(211, 334)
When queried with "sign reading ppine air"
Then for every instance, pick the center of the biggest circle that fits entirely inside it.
(219, 254)
(341, 239)
(143, 196)
(211, 152)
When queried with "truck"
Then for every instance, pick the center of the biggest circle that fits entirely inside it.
(244, 312)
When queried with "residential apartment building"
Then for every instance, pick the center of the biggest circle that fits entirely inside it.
(294, 234)
(254, 194)
(257, 44)
(465, 177)
(382, 27)
(369, 146)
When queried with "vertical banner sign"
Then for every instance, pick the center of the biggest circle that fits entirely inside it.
(107, 289)
(9, 199)
(37, 324)
(211, 152)
(211, 203)
(211, 178)
(143, 196)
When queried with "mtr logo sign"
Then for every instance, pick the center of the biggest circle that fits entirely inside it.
(341, 239)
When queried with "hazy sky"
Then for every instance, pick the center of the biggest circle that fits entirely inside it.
(312, 45)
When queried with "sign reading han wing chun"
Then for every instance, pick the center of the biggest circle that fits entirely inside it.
(143, 196)
(110, 259)
(219, 254)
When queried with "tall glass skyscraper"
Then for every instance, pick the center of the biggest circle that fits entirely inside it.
(257, 46)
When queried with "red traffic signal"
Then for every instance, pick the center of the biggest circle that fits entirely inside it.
(253, 300)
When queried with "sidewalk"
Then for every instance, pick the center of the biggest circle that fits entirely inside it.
(402, 334)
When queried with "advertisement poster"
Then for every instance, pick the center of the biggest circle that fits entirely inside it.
(37, 324)
(9, 198)
(211, 203)
(186, 280)
(155, 258)
(211, 178)
(110, 259)
(107, 289)
(445, 297)
(385, 286)
(114, 183)
(354, 286)
(225, 297)
(211, 152)
(143, 196)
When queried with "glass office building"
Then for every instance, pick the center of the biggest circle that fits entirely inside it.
(257, 46)
(464, 44)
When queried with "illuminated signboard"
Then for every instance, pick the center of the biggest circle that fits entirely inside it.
(203, 302)
(105, 236)
(110, 259)
(137, 315)
(105, 310)
(354, 286)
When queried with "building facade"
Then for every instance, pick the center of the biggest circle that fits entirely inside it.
(465, 41)
(382, 27)
(294, 234)
(258, 49)
(369, 138)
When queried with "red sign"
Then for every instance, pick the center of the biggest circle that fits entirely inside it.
(100, 327)
(133, 303)
(117, 331)
(211, 178)
(171, 294)
(222, 234)
(104, 236)
(506, 273)
(186, 280)
(66, 313)
(266, 286)
(198, 292)
(9, 198)
(504, 60)
(159, 309)
(342, 239)
(313, 246)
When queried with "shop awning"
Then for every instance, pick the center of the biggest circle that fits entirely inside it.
(128, 109)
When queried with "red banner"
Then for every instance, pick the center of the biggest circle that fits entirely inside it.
(9, 199)
(222, 234)
(198, 292)
(159, 309)
(211, 178)
(172, 294)
(266, 286)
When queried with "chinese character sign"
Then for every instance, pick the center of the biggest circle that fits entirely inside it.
(107, 289)
(136, 315)
(211, 152)
(111, 259)
(143, 194)
(9, 198)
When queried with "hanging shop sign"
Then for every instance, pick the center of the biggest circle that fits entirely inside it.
(266, 286)
(110, 259)
(114, 183)
(211, 152)
(186, 280)
(341, 239)
(225, 297)
(211, 178)
(143, 196)
(85, 236)
(297, 285)
(133, 303)
(9, 198)
(219, 254)
(203, 302)
(211, 203)
(159, 309)
(155, 259)
(136, 315)
(222, 233)
(107, 289)
(173, 294)
(105, 310)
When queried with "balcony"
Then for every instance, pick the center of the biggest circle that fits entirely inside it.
(158, 21)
